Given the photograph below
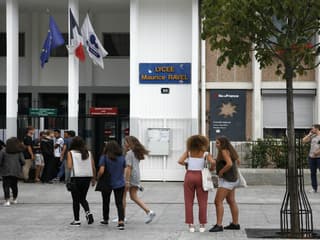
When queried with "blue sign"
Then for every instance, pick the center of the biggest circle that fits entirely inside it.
(165, 73)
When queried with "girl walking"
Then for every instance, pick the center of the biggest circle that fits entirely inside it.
(135, 152)
(113, 162)
(194, 160)
(82, 168)
(11, 162)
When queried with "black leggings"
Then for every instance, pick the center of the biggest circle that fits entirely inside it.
(79, 195)
(7, 183)
(118, 195)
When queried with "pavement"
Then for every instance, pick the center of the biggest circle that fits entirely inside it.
(44, 212)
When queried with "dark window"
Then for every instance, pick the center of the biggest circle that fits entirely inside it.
(61, 51)
(3, 44)
(24, 103)
(117, 44)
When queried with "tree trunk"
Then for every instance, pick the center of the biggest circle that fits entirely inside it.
(292, 165)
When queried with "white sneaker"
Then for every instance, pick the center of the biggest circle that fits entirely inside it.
(115, 220)
(6, 203)
(312, 191)
(192, 229)
(150, 217)
(14, 201)
(202, 228)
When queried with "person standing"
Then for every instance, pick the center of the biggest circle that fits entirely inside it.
(58, 146)
(135, 152)
(226, 167)
(11, 162)
(28, 153)
(194, 159)
(114, 163)
(47, 149)
(82, 168)
(314, 154)
(39, 161)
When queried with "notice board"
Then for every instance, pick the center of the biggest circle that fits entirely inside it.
(158, 140)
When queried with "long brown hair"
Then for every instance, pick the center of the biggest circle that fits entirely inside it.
(137, 148)
(226, 145)
(78, 144)
(13, 145)
(112, 150)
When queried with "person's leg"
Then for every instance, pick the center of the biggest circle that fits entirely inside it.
(38, 171)
(118, 195)
(313, 173)
(105, 205)
(6, 187)
(231, 200)
(124, 200)
(202, 197)
(76, 205)
(220, 196)
(26, 168)
(84, 185)
(189, 192)
(14, 187)
(134, 197)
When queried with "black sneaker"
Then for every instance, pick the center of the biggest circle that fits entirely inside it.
(105, 222)
(216, 228)
(75, 223)
(89, 217)
(232, 226)
(121, 226)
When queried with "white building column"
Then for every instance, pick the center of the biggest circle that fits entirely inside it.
(12, 21)
(195, 67)
(317, 98)
(73, 76)
(256, 100)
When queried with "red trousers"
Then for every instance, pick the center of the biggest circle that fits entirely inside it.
(192, 185)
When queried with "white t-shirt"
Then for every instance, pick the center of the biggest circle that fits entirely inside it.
(57, 150)
(81, 168)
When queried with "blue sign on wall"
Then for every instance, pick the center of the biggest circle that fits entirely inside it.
(168, 73)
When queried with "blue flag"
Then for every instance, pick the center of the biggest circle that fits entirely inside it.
(54, 39)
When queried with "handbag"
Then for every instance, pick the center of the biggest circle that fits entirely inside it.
(242, 180)
(71, 185)
(207, 183)
(104, 182)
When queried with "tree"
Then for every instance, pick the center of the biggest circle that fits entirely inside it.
(282, 32)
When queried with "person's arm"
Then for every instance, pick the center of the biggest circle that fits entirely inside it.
(227, 159)
(307, 138)
(93, 180)
(69, 161)
(127, 174)
(212, 162)
(29, 149)
(64, 149)
(100, 171)
(183, 158)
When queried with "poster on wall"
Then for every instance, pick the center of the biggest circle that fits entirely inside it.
(228, 114)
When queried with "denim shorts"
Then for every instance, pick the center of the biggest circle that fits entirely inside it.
(227, 185)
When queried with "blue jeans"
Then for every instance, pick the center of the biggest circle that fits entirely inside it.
(314, 163)
(61, 169)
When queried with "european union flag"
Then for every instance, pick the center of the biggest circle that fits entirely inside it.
(54, 39)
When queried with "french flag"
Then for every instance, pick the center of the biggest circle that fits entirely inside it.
(76, 40)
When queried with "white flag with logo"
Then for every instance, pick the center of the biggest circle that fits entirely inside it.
(94, 47)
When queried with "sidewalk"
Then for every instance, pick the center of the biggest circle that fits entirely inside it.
(45, 211)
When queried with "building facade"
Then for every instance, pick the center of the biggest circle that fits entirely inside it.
(160, 81)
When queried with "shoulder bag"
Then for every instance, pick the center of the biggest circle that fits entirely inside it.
(207, 183)
(103, 184)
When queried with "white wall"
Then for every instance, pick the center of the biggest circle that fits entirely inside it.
(162, 35)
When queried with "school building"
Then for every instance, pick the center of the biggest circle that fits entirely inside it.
(160, 81)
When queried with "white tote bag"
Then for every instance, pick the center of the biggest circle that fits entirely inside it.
(242, 180)
(207, 183)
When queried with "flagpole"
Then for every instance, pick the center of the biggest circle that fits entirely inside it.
(73, 75)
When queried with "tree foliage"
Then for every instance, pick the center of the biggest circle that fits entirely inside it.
(285, 30)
